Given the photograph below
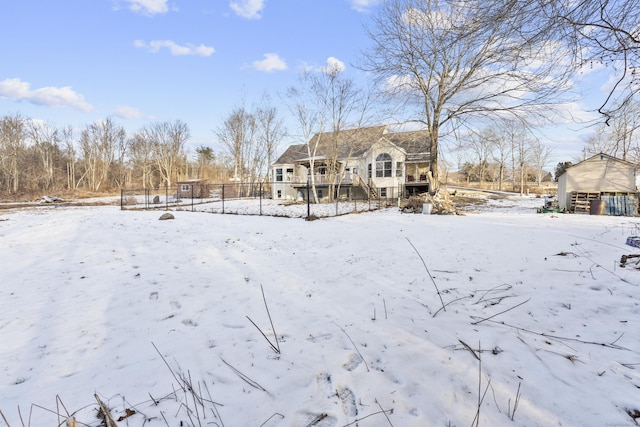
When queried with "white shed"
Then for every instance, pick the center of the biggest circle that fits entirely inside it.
(601, 177)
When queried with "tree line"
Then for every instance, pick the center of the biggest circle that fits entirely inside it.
(507, 156)
(38, 157)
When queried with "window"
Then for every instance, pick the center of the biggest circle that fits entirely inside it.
(279, 174)
(279, 194)
(399, 173)
(383, 192)
(289, 174)
(186, 187)
(319, 194)
(369, 170)
(383, 166)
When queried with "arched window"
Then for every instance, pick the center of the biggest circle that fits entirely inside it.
(383, 166)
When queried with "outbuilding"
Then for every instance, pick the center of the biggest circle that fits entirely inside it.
(193, 188)
(602, 181)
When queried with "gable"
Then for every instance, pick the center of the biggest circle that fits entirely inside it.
(600, 173)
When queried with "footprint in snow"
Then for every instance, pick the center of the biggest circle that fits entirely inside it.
(352, 362)
(323, 380)
(348, 400)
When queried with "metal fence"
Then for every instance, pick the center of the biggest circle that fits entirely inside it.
(246, 199)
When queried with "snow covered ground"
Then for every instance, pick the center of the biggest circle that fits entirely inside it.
(180, 321)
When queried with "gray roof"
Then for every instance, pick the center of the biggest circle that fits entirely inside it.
(352, 143)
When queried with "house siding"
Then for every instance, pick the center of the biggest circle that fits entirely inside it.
(356, 159)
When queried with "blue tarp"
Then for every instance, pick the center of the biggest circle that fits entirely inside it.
(620, 205)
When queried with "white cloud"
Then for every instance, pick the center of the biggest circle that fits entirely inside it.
(271, 62)
(154, 46)
(333, 64)
(60, 97)
(149, 7)
(127, 112)
(249, 9)
(363, 5)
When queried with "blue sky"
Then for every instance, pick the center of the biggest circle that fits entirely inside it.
(72, 62)
(77, 61)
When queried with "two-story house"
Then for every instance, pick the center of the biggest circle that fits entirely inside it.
(354, 163)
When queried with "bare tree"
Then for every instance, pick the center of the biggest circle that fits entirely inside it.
(482, 144)
(100, 142)
(344, 106)
(167, 144)
(12, 149)
(327, 104)
(270, 130)
(45, 142)
(599, 141)
(539, 156)
(517, 137)
(70, 153)
(595, 31)
(501, 152)
(250, 139)
(462, 59)
(237, 135)
(141, 158)
(625, 122)
(309, 121)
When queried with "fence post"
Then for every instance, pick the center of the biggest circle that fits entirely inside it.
(166, 196)
(260, 189)
(121, 199)
(192, 188)
(222, 198)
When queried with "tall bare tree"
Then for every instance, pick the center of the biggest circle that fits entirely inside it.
(482, 144)
(625, 123)
(455, 59)
(13, 138)
(501, 152)
(141, 158)
(270, 130)
(250, 138)
(100, 143)
(326, 104)
(539, 157)
(45, 142)
(237, 136)
(167, 142)
(519, 137)
(70, 153)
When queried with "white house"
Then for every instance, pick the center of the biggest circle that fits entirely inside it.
(601, 177)
(354, 163)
